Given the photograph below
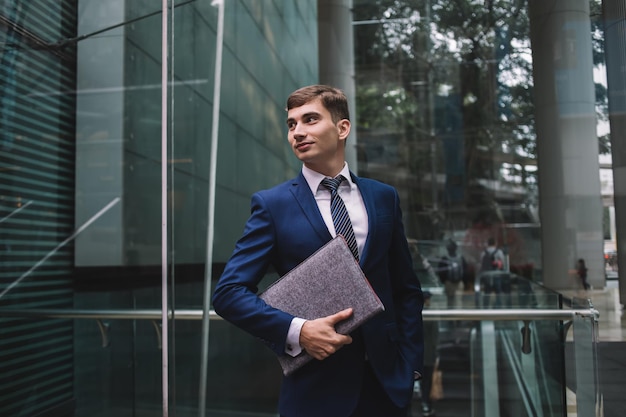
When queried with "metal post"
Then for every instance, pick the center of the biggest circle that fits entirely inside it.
(217, 85)
(164, 128)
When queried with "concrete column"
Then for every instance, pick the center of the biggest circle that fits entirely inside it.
(615, 49)
(567, 144)
(336, 59)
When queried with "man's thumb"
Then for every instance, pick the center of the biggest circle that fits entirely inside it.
(341, 315)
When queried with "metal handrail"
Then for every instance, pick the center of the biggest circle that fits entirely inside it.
(156, 316)
(197, 314)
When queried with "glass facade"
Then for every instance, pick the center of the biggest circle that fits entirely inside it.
(125, 178)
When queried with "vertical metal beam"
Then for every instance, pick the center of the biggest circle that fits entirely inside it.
(164, 245)
(217, 87)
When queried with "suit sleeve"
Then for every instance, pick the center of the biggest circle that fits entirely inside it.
(407, 293)
(235, 297)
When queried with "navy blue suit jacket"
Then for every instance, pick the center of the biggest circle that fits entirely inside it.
(285, 227)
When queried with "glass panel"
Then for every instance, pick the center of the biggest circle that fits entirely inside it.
(260, 67)
(518, 368)
(193, 58)
(443, 118)
(447, 112)
(585, 358)
(513, 368)
(119, 156)
(80, 189)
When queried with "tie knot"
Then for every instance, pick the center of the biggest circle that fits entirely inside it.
(333, 183)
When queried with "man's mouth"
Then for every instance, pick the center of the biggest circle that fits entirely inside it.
(303, 145)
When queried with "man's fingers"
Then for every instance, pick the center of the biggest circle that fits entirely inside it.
(319, 338)
(323, 352)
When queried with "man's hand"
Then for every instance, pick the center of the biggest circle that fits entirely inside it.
(319, 338)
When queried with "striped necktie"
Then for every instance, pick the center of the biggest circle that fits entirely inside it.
(341, 219)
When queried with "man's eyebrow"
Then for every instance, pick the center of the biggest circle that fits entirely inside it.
(305, 115)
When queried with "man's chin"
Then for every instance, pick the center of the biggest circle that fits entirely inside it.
(304, 156)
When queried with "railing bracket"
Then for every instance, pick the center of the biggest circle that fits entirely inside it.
(566, 326)
(104, 332)
(157, 328)
(526, 347)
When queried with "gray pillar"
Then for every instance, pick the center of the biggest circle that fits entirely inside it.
(336, 59)
(615, 49)
(567, 144)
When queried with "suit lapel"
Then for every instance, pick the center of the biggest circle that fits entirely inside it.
(305, 199)
(302, 193)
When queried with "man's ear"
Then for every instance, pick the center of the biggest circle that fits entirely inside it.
(343, 126)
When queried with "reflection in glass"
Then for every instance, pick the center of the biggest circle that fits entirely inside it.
(446, 111)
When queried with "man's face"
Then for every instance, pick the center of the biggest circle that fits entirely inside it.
(315, 139)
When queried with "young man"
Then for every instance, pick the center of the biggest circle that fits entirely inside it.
(371, 371)
(452, 269)
(491, 263)
(492, 258)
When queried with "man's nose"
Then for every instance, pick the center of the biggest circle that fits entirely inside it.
(299, 131)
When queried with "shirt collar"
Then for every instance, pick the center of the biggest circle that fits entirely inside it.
(314, 178)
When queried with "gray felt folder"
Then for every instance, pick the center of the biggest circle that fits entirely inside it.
(325, 283)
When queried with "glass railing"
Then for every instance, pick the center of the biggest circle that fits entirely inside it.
(518, 366)
(585, 360)
(503, 289)
(492, 362)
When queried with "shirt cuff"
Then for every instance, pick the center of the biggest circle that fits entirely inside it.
(292, 344)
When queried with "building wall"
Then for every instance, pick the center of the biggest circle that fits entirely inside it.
(82, 127)
(119, 122)
(37, 119)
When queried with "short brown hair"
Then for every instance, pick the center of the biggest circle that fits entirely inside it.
(333, 99)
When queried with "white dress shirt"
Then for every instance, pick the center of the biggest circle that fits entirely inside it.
(353, 201)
